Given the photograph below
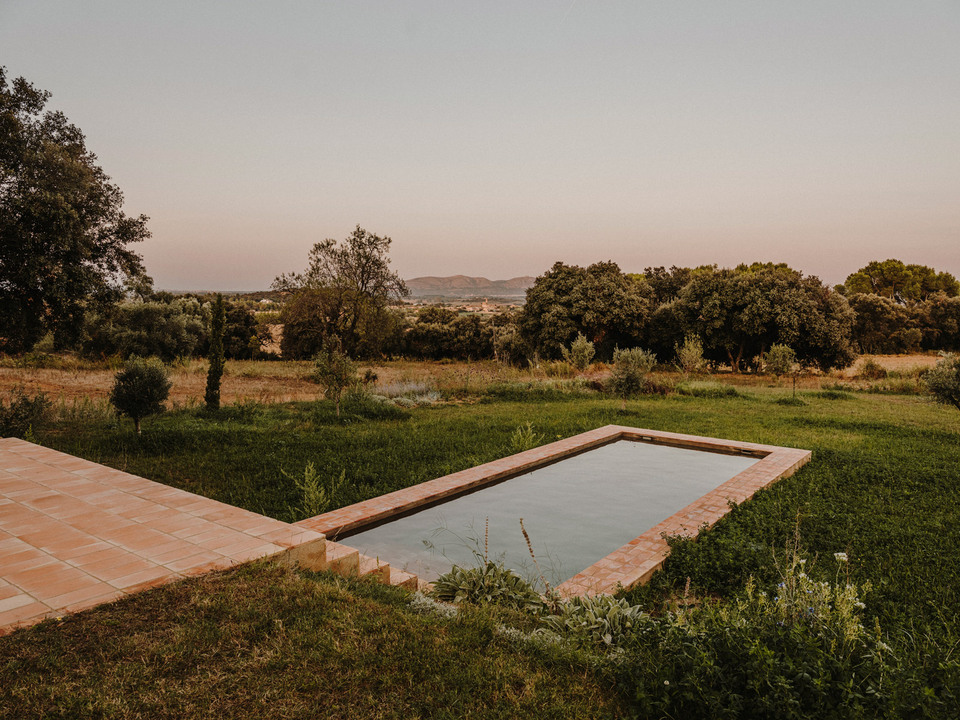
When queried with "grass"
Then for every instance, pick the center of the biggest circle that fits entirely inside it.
(882, 487)
(266, 642)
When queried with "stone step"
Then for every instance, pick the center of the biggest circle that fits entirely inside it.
(373, 568)
(342, 560)
(403, 579)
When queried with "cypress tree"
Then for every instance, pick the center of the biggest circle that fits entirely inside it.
(215, 372)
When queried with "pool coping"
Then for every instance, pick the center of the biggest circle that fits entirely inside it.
(625, 567)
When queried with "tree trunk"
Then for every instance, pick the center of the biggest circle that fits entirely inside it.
(136, 424)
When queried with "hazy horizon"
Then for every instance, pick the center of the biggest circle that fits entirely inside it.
(493, 140)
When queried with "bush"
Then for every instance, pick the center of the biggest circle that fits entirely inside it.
(22, 413)
(872, 370)
(779, 360)
(602, 620)
(690, 355)
(707, 389)
(140, 389)
(630, 368)
(333, 370)
(943, 381)
(580, 353)
(799, 652)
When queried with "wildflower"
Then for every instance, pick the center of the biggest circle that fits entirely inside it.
(666, 682)
(840, 557)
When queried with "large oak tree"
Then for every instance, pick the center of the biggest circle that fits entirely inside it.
(63, 234)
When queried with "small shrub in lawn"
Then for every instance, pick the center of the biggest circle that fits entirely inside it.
(580, 353)
(630, 369)
(333, 370)
(833, 395)
(140, 389)
(871, 370)
(489, 584)
(318, 493)
(790, 401)
(690, 355)
(21, 414)
(779, 360)
(943, 381)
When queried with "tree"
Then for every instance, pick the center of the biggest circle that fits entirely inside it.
(882, 325)
(779, 359)
(903, 283)
(215, 371)
(630, 368)
(333, 370)
(943, 381)
(607, 306)
(63, 234)
(740, 313)
(690, 355)
(168, 330)
(140, 389)
(348, 285)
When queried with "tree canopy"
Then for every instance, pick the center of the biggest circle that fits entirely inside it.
(344, 292)
(898, 281)
(63, 234)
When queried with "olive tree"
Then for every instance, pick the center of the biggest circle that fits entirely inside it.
(140, 389)
(216, 355)
(580, 352)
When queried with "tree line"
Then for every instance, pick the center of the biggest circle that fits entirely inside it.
(70, 280)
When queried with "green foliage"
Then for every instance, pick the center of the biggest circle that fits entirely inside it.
(800, 651)
(216, 356)
(344, 292)
(943, 381)
(630, 368)
(690, 355)
(63, 234)
(167, 329)
(601, 621)
(893, 279)
(706, 389)
(489, 584)
(525, 438)
(21, 414)
(318, 494)
(333, 370)
(779, 360)
(598, 301)
(737, 313)
(580, 353)
(443, 334)
(140, 389)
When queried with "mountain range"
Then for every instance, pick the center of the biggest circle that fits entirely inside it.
(461, 285)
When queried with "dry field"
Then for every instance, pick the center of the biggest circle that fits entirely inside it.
(282, 381)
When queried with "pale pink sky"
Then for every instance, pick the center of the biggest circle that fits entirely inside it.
(496, 138)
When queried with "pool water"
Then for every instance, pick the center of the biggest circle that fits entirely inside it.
(576, 511)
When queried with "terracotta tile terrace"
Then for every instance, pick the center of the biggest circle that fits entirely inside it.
(74, 534)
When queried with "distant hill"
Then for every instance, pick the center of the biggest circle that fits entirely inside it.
(464, 285)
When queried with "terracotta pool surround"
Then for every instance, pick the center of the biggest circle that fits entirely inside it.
(631, 564)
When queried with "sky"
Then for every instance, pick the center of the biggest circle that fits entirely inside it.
(496, 138)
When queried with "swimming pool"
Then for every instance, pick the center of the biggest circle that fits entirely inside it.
(596, 506)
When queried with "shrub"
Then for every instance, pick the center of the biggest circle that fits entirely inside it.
(489, 584)
(943, 381)
(706, 389)
(140, 389)
(872, 370)
(779, 360)
(630, 368)
(580, 353)
(690, 355)
(22, 413)
(525, 438)
(333, 370)
(799, 652)
(318, 495)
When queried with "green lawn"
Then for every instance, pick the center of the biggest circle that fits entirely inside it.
(883, 486)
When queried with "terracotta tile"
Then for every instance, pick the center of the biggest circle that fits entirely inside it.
(132, 580)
